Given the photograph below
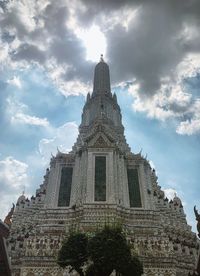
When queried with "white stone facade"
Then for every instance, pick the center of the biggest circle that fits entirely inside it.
(156, 228)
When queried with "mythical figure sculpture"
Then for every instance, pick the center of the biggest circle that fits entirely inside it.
(198, 220)
(8, 218)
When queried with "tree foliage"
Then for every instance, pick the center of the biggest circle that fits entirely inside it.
(109, 250)
(74, 252)
(106, 251)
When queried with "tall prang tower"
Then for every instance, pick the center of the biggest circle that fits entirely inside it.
(101, 182)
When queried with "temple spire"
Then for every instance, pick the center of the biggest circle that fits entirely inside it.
(101, 78)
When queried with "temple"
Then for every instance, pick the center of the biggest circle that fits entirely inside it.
(101, 182)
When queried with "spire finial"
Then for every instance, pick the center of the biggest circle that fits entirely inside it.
(101, 78)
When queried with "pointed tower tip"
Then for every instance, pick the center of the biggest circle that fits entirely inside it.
(101, 78)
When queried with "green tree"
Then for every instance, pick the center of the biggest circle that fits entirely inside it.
(106, 251)
(74, 252)
(133, 267)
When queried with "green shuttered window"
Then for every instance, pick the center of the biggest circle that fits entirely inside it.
(65, 186)
(100, 178)
(134, 188)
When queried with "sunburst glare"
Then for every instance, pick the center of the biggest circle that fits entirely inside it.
(94, 41)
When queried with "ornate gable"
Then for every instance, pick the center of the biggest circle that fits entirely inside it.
(100, 140)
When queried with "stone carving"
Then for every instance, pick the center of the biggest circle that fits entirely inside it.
(198, 220)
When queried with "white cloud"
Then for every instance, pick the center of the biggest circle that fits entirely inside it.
(15, 81)
(152, 164)
(14, 106)
(167, 103)
(63, 138)
(57, 36)
(74, 88)
(6, 203)
(21, 14)
(67, 88)
(189, 66)
(170, 193)
(17, 114)
(14, 180)
(29, 120)
(189, 127)
(41, 33)
(154, 106)
(3, 52)
(170, 102)
(13, 173)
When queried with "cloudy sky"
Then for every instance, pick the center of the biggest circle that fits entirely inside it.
(48, 50)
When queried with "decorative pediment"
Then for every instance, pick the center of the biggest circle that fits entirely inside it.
(100, 140)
